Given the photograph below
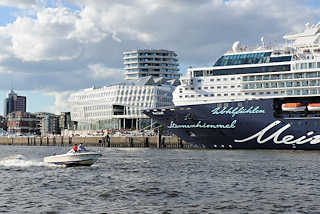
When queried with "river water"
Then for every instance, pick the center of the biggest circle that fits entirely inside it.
(161, 181)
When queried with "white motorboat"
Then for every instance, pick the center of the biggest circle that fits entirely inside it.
(71, 158)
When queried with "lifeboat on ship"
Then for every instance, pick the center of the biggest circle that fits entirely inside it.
(293, 107)
(314, 107)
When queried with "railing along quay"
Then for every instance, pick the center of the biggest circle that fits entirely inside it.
(112, 141)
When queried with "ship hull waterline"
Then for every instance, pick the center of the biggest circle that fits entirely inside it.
(253, 124)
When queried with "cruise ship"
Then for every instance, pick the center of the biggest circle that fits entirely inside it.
(262, 98)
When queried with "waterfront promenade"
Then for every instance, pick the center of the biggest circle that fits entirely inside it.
(103, 141)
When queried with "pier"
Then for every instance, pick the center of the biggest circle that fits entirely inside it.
(170, 142)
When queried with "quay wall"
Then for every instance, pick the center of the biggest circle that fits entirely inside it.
(112, 141)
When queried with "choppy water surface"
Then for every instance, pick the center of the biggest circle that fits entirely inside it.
(161, 181)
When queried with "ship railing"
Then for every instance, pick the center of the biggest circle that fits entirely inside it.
(250, 49)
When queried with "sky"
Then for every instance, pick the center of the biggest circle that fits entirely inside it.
(51, 48)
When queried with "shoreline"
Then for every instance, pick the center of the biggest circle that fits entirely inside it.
(100, 141)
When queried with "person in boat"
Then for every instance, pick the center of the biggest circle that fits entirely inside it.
(75, 147)
(81, 148)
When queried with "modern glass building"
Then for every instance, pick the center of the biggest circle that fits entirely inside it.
(14, 103)
(151, 62)
(120, 106)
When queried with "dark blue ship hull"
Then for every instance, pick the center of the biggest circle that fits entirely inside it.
(254, 124)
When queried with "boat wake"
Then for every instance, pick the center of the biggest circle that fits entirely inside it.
(21, 161)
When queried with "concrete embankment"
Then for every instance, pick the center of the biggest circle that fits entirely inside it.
(135, 141)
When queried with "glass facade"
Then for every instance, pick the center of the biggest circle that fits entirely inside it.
(241, 59)
(261, 69)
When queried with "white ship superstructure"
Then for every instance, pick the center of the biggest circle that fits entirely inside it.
(264, 98)
(240, 74)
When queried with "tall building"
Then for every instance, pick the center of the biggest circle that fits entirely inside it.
(14, 103)
(151, 77)
(151, 62)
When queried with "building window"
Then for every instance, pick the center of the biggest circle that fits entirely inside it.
(259, 85)
(266, 77)
(313, 91)
(305, 92)
(289, 84)
(312, 83)
(297, 84)
(298, 75)
(258, 77)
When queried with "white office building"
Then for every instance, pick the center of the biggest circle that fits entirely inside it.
(120, 106)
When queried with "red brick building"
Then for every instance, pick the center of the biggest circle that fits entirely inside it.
(22, 123)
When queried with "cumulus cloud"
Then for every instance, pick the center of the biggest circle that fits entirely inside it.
(62, 49)
(60, 104)
(100, 71)
(18, 3)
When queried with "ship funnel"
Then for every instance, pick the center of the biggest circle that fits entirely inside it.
(235, 46)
